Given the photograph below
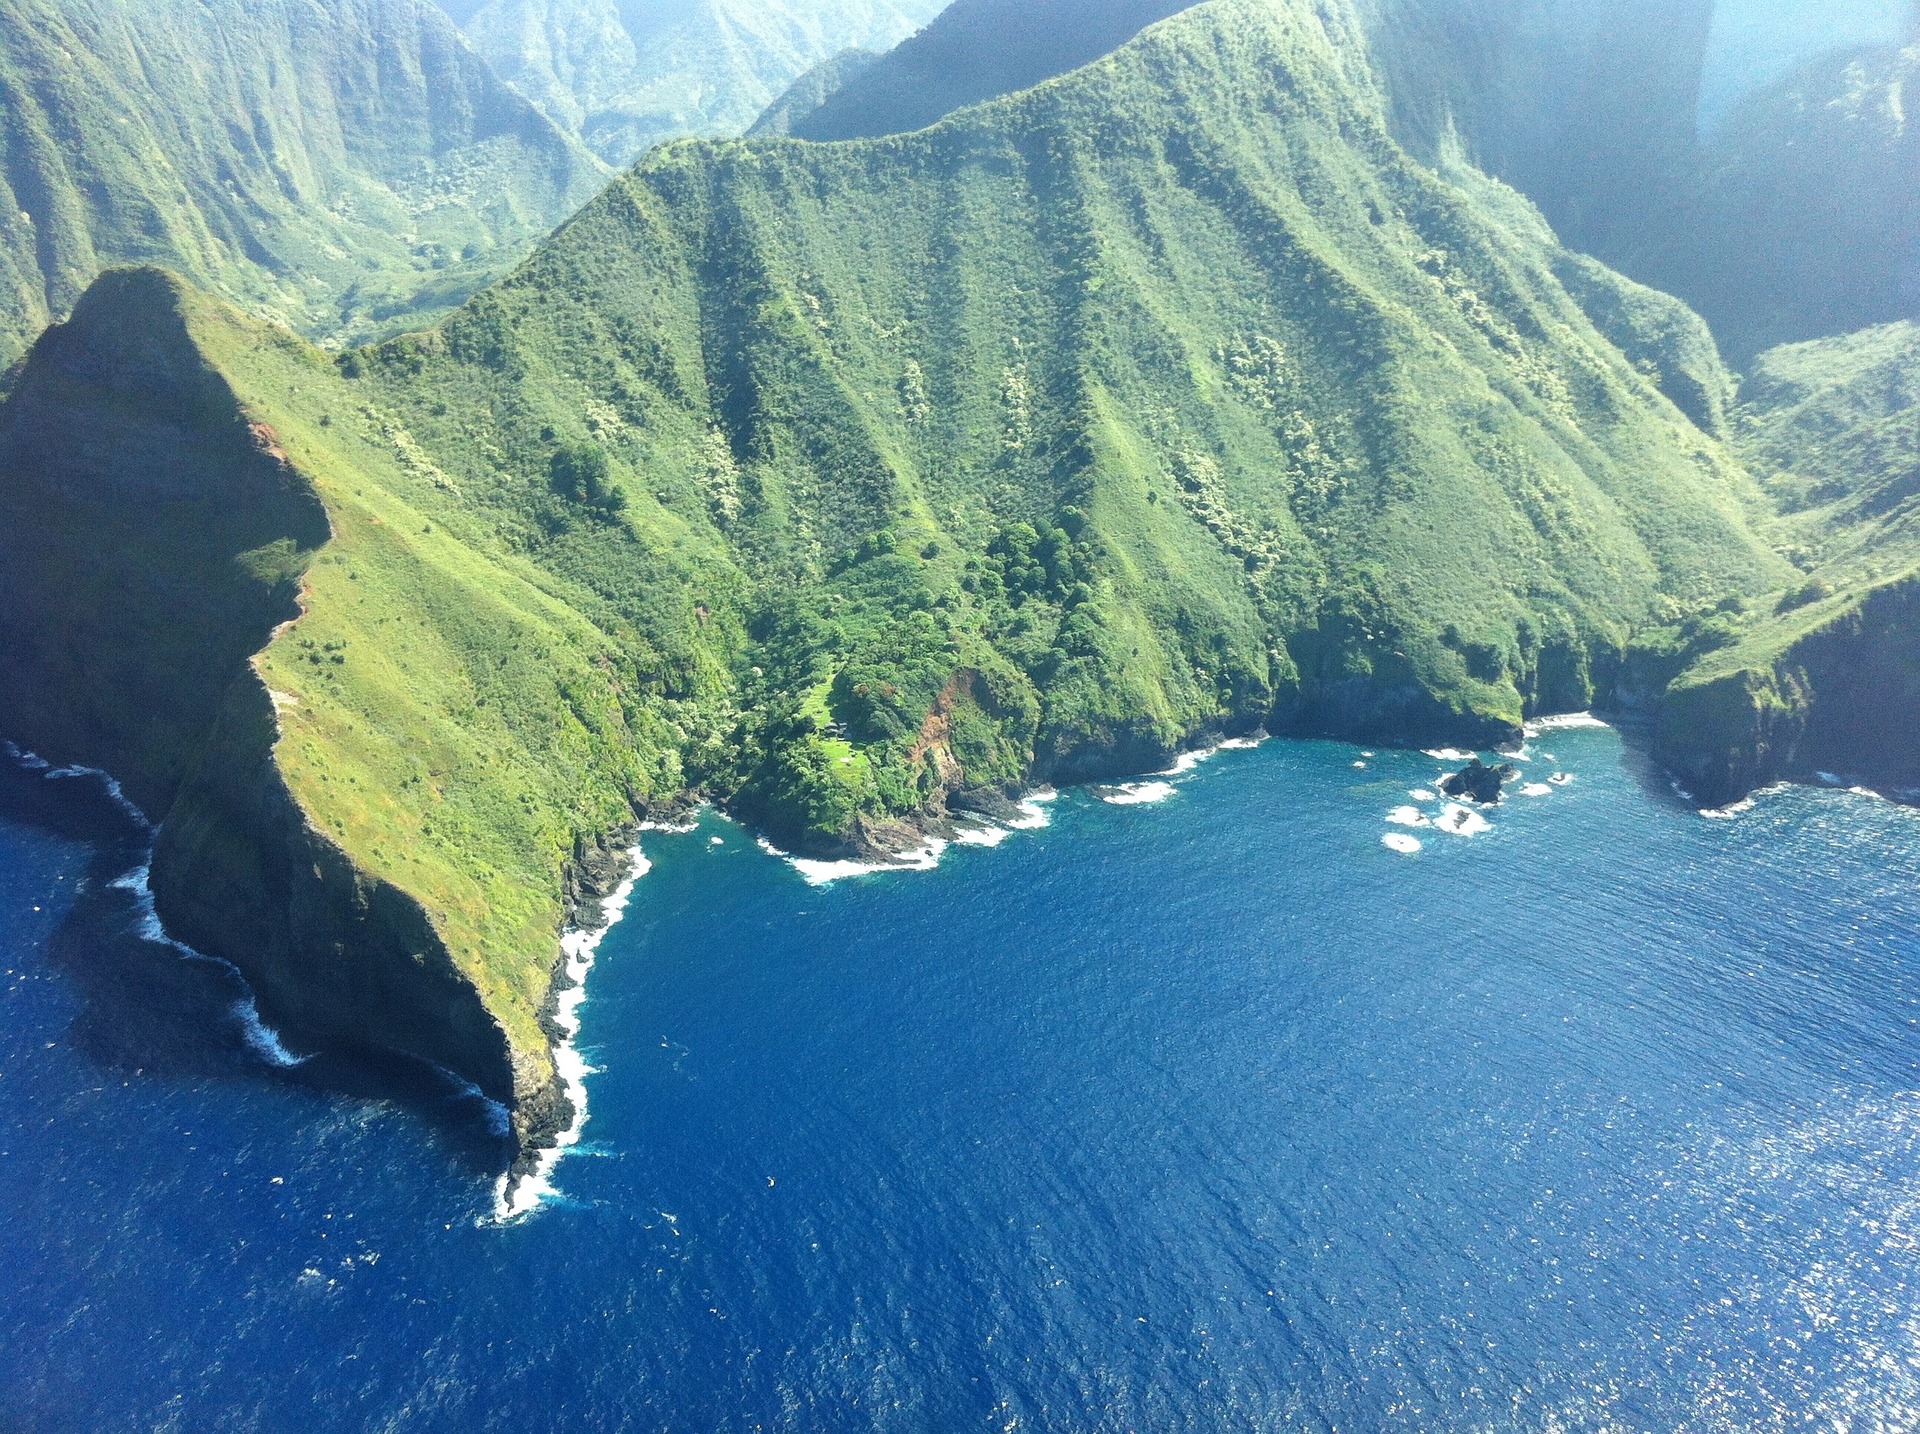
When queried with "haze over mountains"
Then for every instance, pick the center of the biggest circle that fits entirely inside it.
(625, 74)
(333, 165)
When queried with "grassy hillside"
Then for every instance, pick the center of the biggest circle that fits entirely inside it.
(1830, 679)
(626, 74)
(376, 737)
(844, 484)
(333, 163)
(1170, 396)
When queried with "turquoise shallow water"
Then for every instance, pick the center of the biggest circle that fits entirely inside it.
(1213, 1114)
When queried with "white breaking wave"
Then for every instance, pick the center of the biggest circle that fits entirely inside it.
(1136, 794)
(1402, 843)
(1566, 722)
(261, 1038)
(1536, 789)
(1449, 754)
(823, 873)
(513, 1199)
(1462, 821)
(1408, 817)
(1187, 761)
(981, 834)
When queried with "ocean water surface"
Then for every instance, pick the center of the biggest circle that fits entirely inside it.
(1202, 1109)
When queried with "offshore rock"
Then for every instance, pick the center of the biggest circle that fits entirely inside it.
(1480, 782)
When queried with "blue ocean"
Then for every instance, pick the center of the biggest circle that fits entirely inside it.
(1199, 1108)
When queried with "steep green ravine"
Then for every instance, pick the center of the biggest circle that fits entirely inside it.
(849, 485)
(1829, 681)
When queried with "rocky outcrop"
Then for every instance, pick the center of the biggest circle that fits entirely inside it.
(1480, 782)
(1842, 699)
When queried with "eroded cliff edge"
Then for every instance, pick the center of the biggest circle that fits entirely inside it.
(165, 566)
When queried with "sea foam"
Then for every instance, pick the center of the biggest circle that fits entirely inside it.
(513, 1199)
(1462, 821)
(1566, 722)
(261, 1038)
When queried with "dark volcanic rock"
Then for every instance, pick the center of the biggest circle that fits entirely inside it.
(1480, 782)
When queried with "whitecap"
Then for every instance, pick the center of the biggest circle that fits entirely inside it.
(1360, 766)
(261, 1038)
(825, 873)
(1402, 843)
(1565, 722)
(1033, 808)
(1187, 761)
(1462, 821)
(1537, 789)
(1728, 812)
(1408, 817)
(984, 834)
(680, 828)
(1421, 794)
(513, 1199)
(1449, 754)
(1135, 794)
(1560, 779)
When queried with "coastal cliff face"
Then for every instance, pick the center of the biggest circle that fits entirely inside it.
(1842, 699)
(845, 485)
(179, 600)
(1825, 680)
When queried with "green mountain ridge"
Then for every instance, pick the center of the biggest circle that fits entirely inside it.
(335, 164)
(855, 486)
(1790, 220)
(1831, 681)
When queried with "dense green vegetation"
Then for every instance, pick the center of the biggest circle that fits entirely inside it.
(1828, 677)
(340, 165)
(624, 75)
(841, 482)
(1169, 397)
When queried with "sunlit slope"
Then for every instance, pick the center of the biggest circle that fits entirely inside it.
(1170, 396)
(333, 163)
(372, 816)
(1829, 680)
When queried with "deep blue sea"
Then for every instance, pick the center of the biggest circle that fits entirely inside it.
(1211, 1114)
